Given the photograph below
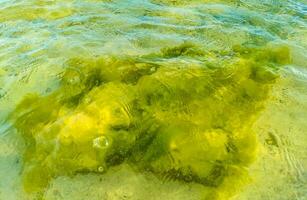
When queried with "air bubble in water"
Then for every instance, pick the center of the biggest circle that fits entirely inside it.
(100, 169)
(101, 142)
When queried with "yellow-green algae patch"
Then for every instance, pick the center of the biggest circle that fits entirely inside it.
(160, 113)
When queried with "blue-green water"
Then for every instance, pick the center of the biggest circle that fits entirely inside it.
(160, 99)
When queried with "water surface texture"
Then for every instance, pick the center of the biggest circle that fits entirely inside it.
(153, 99)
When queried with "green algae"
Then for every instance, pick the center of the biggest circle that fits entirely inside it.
(189, 123)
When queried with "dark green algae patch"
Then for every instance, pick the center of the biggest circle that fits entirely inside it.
(183, 114)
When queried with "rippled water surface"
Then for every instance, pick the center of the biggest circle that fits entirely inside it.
(153, 99)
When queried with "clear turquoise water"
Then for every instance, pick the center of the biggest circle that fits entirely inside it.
(38, 38)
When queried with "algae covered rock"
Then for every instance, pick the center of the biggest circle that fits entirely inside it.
(183, 121)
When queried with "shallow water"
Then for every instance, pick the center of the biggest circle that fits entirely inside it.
(153, 99)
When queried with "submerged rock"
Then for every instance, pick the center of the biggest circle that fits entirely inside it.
(160, 113)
